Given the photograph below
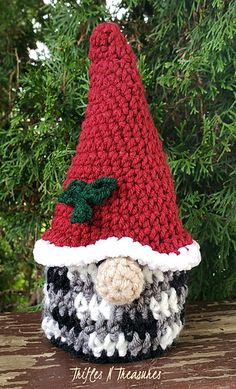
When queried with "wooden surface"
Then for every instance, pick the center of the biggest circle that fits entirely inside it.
(203, 357)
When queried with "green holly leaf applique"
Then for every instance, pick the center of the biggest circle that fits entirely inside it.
(83, 196)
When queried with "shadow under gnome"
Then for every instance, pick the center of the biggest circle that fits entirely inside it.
(116, 256)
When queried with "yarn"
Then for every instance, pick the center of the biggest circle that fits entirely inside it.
(48, 254)
(119, 280)
(79, 320)
(103, 357)
(116, 253)
(119, 140)
(82, 196)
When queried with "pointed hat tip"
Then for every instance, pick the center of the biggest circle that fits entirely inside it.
(107, 41)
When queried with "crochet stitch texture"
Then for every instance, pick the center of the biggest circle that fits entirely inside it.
(119, 280)
(116, 254)
(119, 140)
(78, 320)
(83, 196)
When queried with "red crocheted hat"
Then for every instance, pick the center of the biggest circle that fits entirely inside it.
(118, 197)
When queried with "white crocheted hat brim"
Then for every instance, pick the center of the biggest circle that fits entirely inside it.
(46, 253)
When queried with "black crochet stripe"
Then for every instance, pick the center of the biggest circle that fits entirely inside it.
(70, 321)
(139, 325)
(127, 325)
(60, 282)
(180, 279)
(104, 358)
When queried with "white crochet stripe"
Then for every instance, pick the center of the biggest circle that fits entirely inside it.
(51, 328)
(93, 307)
(48, 254)
(171, 333)
(97, 346)
(166, 306)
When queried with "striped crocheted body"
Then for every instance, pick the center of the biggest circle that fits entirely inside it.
(77, 319)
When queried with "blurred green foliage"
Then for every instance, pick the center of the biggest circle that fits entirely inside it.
(186, 56)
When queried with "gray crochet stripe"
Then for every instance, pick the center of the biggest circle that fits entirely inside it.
(85, 283)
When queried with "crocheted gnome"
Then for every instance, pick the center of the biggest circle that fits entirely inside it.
(116, 254)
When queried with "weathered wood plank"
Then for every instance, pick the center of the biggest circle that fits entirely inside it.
(203, 357)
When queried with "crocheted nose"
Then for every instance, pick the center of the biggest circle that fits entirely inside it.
(119, 280)
(107, 42)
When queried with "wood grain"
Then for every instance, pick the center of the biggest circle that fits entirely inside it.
(203, 357)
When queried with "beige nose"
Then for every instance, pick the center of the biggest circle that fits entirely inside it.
(119, 280)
